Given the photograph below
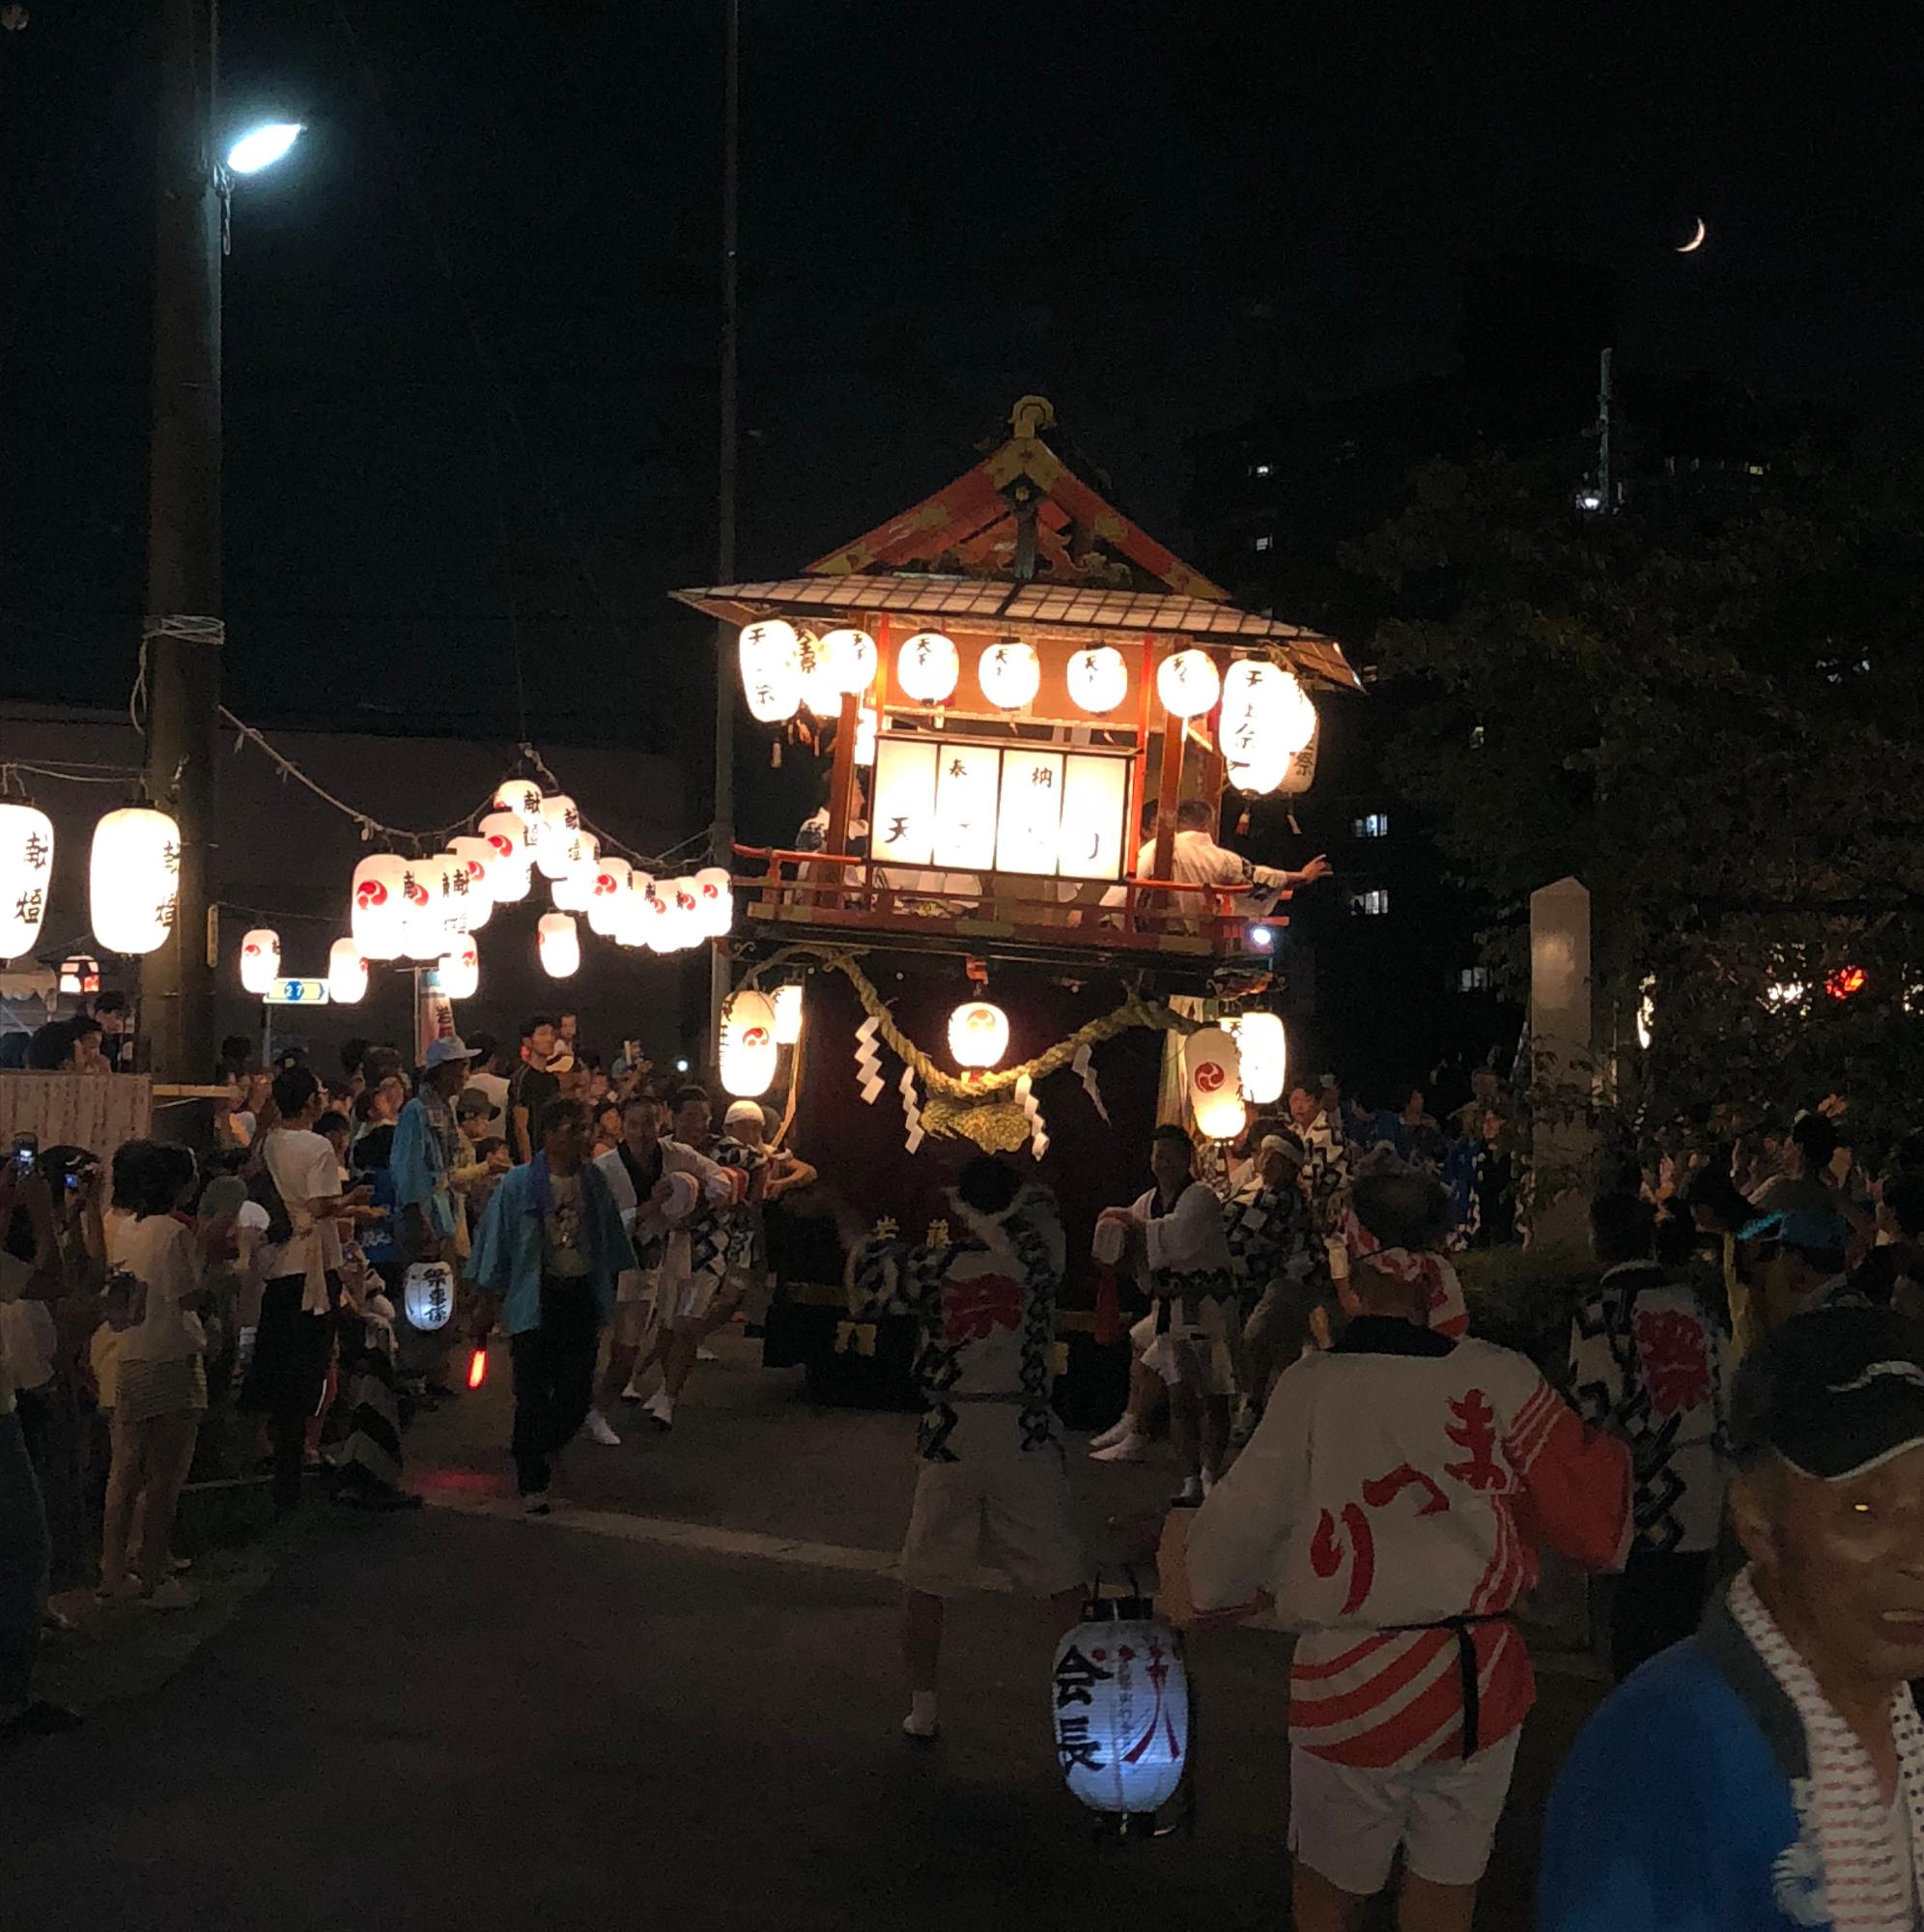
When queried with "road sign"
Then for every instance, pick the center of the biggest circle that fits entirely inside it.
(296, 993)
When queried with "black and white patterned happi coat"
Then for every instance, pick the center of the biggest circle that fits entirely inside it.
(1264, 1226)
(986, 1303)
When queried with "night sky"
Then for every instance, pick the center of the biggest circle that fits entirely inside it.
(470, 326)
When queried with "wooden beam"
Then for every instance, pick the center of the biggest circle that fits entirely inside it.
(1139, 766)
(1169, 796)
(842, 776)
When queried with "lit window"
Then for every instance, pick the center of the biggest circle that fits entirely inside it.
(1473, 979)
(1371, 904)
(1371, 825)
(1258, 468)
(1265, 542)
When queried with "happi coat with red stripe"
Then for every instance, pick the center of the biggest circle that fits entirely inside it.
(1391, 1502)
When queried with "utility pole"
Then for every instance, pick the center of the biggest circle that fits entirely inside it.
(1604, 400)
(182, 633)
(725, 519)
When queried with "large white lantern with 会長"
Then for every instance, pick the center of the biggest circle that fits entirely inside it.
(558, 942)
(511, 859)
(1010, 674)
(1213, 1074)
(135, 879)
(608, 896)
(748, 1051)
(459, 973)
(771, 657)
(1188, 683)
(714, 900)
(1121, 1707)
(1265, 1056)
(347, 973)
(26, 869)
(977, 1034)
(378, 912)
(427, 1294)
(787, 1003)
(260, 959)
(560, 828)
(1098, 679)
(927, 668)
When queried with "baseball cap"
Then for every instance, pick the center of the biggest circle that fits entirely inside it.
(476, 1104)
(441, 1051)
(1817, 1229)
(1834, 1393)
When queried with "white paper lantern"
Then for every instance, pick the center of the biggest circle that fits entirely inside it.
(715, 901)
(1121, 1698)
(683, 898)
(1098, 679)
(1010, 674)
(424, 933)
(631, 910)
(749, 1052)
(1212, 1073)
(927, 668)
(347, 973)
(26, 874)
(574, 889)
(838, 664)
(135, 879)
(978, 1033)
(522, 797)
(511, 861)
(560, 825)
(560, 944)
(1297, 716)
(787, 1003)
(477, 854)
(452, 887)
(260, 959)
(770, 654)
(856, 656)
(1188, 684)
(1265, 1048)
(608, 894)
(427, 1294)
(459, 972)
(377, 911)
(655, 923)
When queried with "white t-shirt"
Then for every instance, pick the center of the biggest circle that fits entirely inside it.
(304, 1169)
(160, 1253)
(495, 1086)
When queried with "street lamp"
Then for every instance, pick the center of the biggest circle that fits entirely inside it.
(262, 147)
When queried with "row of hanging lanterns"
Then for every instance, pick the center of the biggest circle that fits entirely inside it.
(133, 877)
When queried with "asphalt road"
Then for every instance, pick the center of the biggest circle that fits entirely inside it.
(673, 1702)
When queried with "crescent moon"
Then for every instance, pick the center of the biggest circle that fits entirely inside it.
(1696, 240)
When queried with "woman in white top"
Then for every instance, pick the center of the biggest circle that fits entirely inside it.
(161, 1376)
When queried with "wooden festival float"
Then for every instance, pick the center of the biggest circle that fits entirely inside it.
(1020, 686)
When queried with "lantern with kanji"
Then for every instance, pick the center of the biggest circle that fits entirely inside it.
(260, 959)
(378, 911)
(855, 658)
(135, 879)
(684, 899)
(837, 664)
(459, 973)
(347, 973)
(510, 860)
(423, 931)
(1098, 679)
(427, 1294)
(771, 657)
(1188, 684)
(977, 1034)
(1213, 1074)
(559, 943)
(608, 896)
(787, 1003)
(554, 846)
(1010, 674)
(523, 798)
(478, 856)
(714, 903)
(749, 1052)
(26, 869)
(655, 919)
(451, 887)
(927, 668)
(1120, 1706)
(1265, 1056)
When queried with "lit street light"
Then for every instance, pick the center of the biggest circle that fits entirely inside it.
(262, 147)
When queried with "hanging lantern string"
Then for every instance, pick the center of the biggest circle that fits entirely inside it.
(64, 770)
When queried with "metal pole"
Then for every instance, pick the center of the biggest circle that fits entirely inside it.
(1604, 400)
(182, 631)
(725, 519)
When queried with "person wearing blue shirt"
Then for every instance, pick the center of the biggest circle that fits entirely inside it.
(1769, 1772)
(550, 1251)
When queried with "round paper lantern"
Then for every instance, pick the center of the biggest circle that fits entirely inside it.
(522, 797)
(378, 911)
(1121, 1698)
(452, 888)
(560, 944)
(511, 861)
(560, 825)
(838, 664)
(655, 923)
(427, 1294)
(684, 899)
(856, 656)
(1098, 679)
(478, 856)
(260, 959)
(787, 1003)
(574, 889)
(748, 1051)
(1296, 716)
(771, 657)
(135, 879)
(1212, 1073)
(978, 1033)
(716, 902)
(347, 973)
(608, 894)
(1010, 674)
(927, 668)
(459, 972)
(1188, 684)
(631, 910)
(1265, 1048)
(424, 933)
(26, 871)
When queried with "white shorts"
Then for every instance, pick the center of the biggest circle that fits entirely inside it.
(1346, 1823)
(1199, 1352)
(1008, 1511)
